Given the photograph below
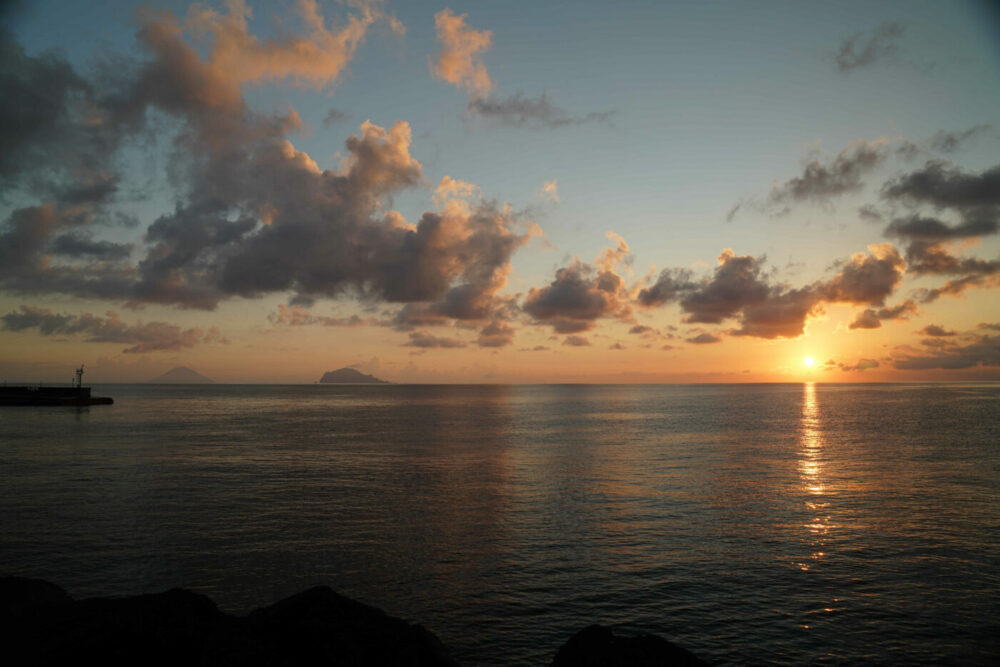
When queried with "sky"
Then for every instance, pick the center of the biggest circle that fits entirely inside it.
(500, 191)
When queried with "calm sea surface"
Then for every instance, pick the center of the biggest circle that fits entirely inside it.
(749, 523)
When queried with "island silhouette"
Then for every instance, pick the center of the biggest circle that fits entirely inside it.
(349, 376)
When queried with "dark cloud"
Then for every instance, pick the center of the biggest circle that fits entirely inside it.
(783, 314)
(576, 341)
(737, 282)
(641, 329)
(821, 182)
(740, 288)
(334, 115)
(81, 244)
(580, 294)
(959, 286)
(949, 142)
(870, 214)
(866, 48)
(520, 111)
(55, 142)
(425, 340)
(670, 284)
(988, 325)
(149, 337)
(919, 228)
(943, 186)
(867, 278)
(936, 331)
(704, 338)
(496, 334)
(617, 346)
(872, 319)
(982, 351)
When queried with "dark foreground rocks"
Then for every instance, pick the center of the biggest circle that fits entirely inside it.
(42, 625)
(597, 646)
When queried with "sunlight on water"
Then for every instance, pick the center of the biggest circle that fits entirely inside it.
(782, 524)
(811, 471)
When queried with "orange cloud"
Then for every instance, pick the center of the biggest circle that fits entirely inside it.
(461, 46)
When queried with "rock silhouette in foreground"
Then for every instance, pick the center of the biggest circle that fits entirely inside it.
(349, 376)
(181, 375)
(597, 646)
(45, 626)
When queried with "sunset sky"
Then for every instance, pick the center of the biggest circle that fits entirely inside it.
(500, 191)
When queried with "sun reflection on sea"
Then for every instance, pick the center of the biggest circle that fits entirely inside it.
(811, 474)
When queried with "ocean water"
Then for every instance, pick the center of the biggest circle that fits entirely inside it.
(784, 523)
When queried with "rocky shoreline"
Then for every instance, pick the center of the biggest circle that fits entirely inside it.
(45, 626)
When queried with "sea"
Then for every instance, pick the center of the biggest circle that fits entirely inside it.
(750, 524)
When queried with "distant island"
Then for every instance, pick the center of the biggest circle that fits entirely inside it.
(181, 375)
(349, 376)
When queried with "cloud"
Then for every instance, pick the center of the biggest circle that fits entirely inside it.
(943, 186)
(821, 182)
(921, 228)
(459, 62)
(783, 314)
(253, 214)
(670, 284)
(297, 316)
(425, 340)
(740, 288)
(617, 346)
(958, 286)
(736, 283)
(576, 341)
(334, 115)
(869, 213)
(642, 329)
(580, 293)
(872, 319)
(518, 110)
(496, 334)
(451, 188)
(704, 338)
(82, 244)
(982, 351)
(867, 277)
(860, 366)
(936, 331)
(935, 258)
(144, 338)
(949, 142)
(866, 48)
(550, 191)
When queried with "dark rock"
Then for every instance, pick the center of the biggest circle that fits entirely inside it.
(597, 646)
(178, 627)
(43, 626)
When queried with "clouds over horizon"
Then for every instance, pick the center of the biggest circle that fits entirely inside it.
(144, 338)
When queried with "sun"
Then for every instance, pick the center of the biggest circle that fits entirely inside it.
(808, 361)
